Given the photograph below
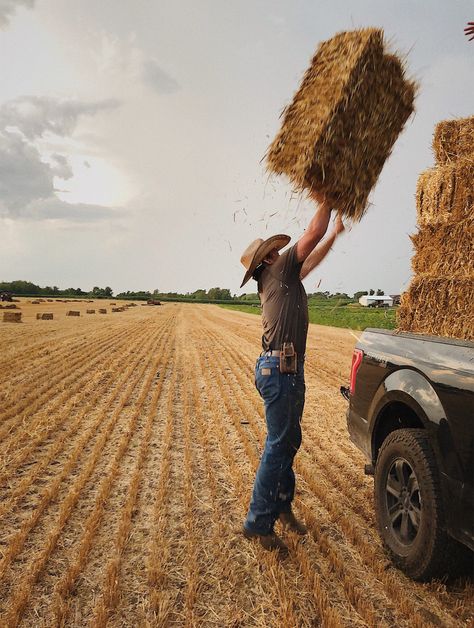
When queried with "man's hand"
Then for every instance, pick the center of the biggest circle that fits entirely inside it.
(469, 30)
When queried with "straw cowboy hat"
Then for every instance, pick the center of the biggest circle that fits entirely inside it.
(256, 252)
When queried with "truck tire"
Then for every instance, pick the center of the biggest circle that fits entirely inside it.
(409, 507)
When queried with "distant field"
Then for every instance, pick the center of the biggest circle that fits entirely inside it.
(349, 316)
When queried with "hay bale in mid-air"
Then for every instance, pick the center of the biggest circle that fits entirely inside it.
(446, 250)
(102, 310)
(12, 317)
(454, 139)
(73, 313)
(340, 128)
(446, 193)
(438, 306)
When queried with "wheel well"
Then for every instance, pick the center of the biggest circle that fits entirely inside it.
(395, 416)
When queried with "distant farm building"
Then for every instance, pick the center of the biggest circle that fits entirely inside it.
(375, 300)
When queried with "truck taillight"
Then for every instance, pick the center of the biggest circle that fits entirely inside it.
(356, 362)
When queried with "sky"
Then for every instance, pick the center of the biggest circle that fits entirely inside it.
(132, 137)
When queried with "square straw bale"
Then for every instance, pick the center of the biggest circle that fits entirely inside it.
(12, 317)
(445, 193)
(454, 139)
(337, 133)
(446, 250)
(438, 307)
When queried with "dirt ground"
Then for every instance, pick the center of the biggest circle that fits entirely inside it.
(129, 443)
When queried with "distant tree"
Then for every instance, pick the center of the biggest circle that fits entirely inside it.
(199, 294)
(219, 294)
(156, 292)
(359, 294)
(108, 292)
(371, 292)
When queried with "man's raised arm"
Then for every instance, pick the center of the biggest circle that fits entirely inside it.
(316, 228)
(322, 249)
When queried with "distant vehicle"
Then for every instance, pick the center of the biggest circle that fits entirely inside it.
(411, 412)
(6, 296)
(375, 300)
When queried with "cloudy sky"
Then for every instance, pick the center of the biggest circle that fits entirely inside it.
(132, 134)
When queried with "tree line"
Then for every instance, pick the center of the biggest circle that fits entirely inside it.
(28, 288)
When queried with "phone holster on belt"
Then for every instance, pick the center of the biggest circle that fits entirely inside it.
(288, 358)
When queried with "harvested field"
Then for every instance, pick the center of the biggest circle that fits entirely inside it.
(128, 449)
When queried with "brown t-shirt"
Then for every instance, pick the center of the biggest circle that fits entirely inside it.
(284, 303)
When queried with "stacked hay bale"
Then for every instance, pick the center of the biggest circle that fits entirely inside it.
(341, 126)
(440, 298)
(12, 317)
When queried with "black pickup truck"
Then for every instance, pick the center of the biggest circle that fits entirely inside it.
(411, 412)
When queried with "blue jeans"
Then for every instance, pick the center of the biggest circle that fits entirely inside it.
(274, 488)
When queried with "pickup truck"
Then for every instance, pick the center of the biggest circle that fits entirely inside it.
(411, 412)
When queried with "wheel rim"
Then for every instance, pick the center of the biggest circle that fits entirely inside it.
(403, 501)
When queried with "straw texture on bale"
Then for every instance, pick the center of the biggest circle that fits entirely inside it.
(438, 306)
(445, 193)
(340, 128)
(454, 139)
(73, 313)
(12, 317)
(446, 250)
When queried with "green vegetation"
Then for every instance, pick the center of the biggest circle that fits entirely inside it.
(351, 316)
(338, 310)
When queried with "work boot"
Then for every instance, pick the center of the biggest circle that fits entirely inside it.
(290, 522)
(267, 541)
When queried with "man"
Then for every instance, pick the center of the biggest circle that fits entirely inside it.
(280, 379)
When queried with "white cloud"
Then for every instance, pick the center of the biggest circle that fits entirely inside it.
(35, 116)
(158, 79)
(8, 8)
(27, 188)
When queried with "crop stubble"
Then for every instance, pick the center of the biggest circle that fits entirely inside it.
(127, 465)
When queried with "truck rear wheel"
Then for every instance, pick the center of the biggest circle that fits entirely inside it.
(409, 506)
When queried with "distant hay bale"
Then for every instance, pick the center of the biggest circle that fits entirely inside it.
(10, 306)
(438, 307)
(445, 193)
(446, 250)
(73, 313)
(50, 300)
(12, 317)
(454, 139)
(118, 309)
(340, 128)
(35, 302)
(90, 311)
(44, 316)
(102, 310)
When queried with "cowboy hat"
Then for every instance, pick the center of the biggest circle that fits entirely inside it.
(256, 252)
